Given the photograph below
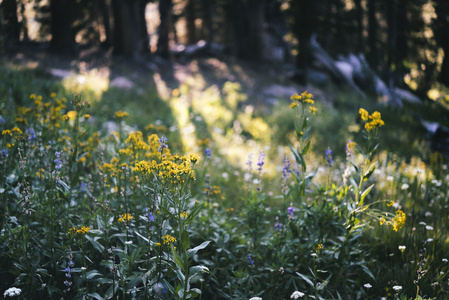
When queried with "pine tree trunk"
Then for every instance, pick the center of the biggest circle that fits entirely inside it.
(63, 36)
(165, 11)
(11, 23)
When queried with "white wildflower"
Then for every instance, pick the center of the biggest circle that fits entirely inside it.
(430, 240)
(428, 227)
(367, 285)
(297, 295)
(11, 292)
(390, 178)
(397, 288)
(428, 214)
(402, 248)
(404, 186)
(225, 175)
(444, 260)
(255, 298)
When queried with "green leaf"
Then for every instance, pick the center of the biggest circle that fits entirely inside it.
(365, 193)
(324, 284)
(306, 148)
(62, 186)
(167, 212)
(192, 252)
(185, 240)
(141, 236)
(370, 171)
(176, 257)
(309, 282)
(194, 213)
(92, 274)
(95, 295)
(94, 241)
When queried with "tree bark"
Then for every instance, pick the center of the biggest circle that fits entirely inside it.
(441, 26)
(103, 7)
(11, 23)
(63, 36)
(130, 33)
(304, 25)
(165, 11)
(372, 32)
(190, 22)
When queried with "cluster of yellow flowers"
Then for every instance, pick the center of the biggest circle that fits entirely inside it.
(168, 239)
(397, 222)
(184, 214)
(304, 98)
(125, 218)
(174, 169)
(79, 231)
(319, 248)
(120, 115)
(371, 121)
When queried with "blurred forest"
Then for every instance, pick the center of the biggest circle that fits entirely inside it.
(405, 42)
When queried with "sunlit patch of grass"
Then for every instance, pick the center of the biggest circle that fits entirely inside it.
(92, 83)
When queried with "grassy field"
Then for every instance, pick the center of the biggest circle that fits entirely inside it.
(193, 184)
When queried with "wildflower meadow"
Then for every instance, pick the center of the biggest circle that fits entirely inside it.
(90, 211)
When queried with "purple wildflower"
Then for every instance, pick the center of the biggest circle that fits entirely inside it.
(57, 161)
(290, 211)
(278, 225)
(329, 159)
(162, 142)
(32, 135)
(261, 161)
(250, 261)
(208, 153)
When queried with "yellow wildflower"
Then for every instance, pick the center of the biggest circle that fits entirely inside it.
(82, 159)
(293, 104)
(398, 220)
(363, 114)
(390, 203)
(319, 247)
(53, 95)
(86, 116)
(168, 239)
(120, 114)
(33, 96)
(184, 214)
(6, 132)
(79, 231)
(126, 217)
(382, 221)
(71, 115)
(312, 109)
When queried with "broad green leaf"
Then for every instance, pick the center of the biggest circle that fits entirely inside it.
(365, 193)
(185, 240)
(176, 257)
(309, 282)
(192, 252)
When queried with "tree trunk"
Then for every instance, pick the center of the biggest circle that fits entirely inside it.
(372, 33)
(441, 26)
(62, 33)
(304, 25)
(165, 11)
(190, 22)
(130, 33)
(359, 22)
(207, 18)
(103, 7)
(256, 28)
(11, 23)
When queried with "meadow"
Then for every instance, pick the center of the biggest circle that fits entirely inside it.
(200, 191)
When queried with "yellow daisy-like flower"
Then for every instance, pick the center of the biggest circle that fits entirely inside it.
(312, 109)
(168, 239)
(293, 104)
(364, 114)
(184, 214)
(79, 231)
(120, 114)
(390, 203)
(382, 221)
(86, 116)
(126, 217)
(319, 248)
(6, 132)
